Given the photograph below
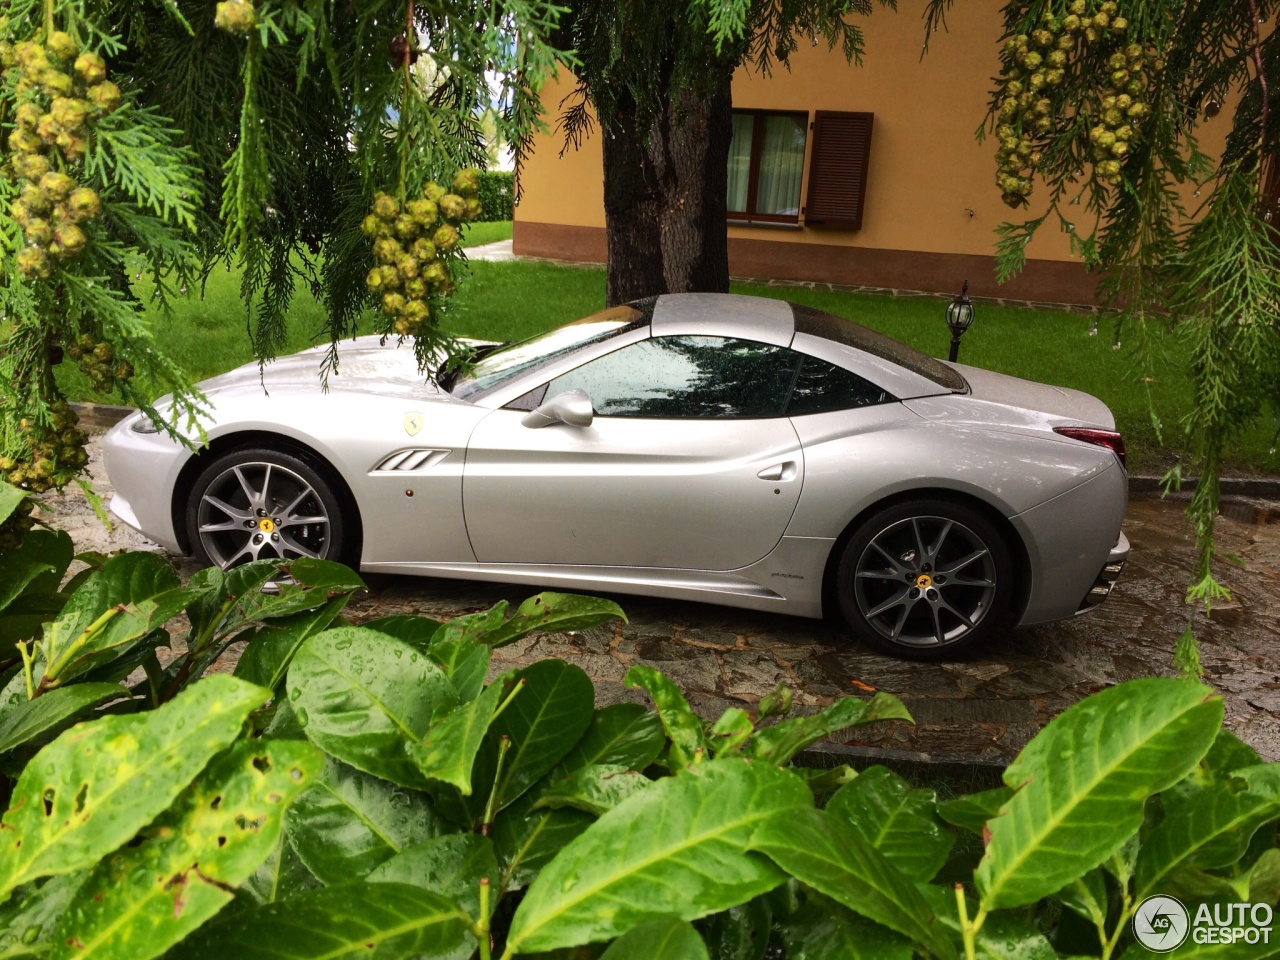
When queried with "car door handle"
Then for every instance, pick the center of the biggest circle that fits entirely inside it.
(779, 471)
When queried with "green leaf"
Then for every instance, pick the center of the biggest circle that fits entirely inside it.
(471, 627)
(17, 572)
(821, 850)
(347, 823)
(1087, 896)
(21, 722)
(682, 725)
(545, 719)
(366, 698)
(103, 781)
(1083, 781)
(527, 840)
(271, 648)
(594, 789)
(29, 920)
(1227, 755)
(741, 932)
(10, 497)
(625, 734)
(1214, 828)
(730, 732)
(666, 938)
(451, 866)
(448, 751)
(280, 876)
(1264, 878)
(678, 848)
(973, 810)
(1002, 936)
(896, 819)
(407, 627)
(49, 548)
(465, 663)
(552, 611)
(385, 921)
(149, 895)
(824, 930)
(782, 741)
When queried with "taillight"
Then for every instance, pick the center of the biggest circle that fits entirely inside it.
(1103, 438)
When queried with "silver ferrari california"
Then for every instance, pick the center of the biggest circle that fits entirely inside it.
(720, 448)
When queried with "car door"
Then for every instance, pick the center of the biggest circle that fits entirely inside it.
(688, 462)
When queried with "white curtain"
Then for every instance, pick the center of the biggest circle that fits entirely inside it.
(740, 162)
(781, 165)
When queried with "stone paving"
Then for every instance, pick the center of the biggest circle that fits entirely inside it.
(980, 710)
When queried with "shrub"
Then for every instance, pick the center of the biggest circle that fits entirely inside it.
(363, 791)
(497, 193)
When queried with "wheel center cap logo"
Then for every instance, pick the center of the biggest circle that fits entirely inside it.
(265, 525)
(924, 581)
(1160, 924)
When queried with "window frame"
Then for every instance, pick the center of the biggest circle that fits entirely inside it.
(753, 168)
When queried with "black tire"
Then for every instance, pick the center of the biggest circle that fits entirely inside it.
(255, 503)
(887, 581)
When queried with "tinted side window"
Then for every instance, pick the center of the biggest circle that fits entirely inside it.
(822, 386)
(687, 378)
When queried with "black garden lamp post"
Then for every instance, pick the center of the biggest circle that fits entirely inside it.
(959, 317)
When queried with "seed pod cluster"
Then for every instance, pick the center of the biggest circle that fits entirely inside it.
(97, 360)
(56, 452)
(1032, 106)
(60, 89)
(235, 16)
(408, 242)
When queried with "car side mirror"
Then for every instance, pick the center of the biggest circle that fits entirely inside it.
(573, 407)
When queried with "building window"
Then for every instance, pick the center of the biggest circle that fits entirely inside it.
(766, 165)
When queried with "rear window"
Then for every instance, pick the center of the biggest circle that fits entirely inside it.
(816, 323)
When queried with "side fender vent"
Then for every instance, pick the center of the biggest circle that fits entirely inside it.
(410, 461)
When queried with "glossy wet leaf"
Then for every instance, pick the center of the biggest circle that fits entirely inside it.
(280, 876)
(103, 781)
(316, 583)
(821, 850)
(1083, 781)
(1087, 896)
(897, 819)
(451, 865)
(366, 698)
(385, 921)
(150, 894)
(594, 789)
(782, 741)
(47, 548)
(682, 725)
(348, 822)
(407, 627)
(625, 734)
(527, 839)
(666, 938)
(29, 921)
(739, 933)
(1213, 828)
(973, 810)
(1004, 936)
(448, 750)
(544, 720)
(10, 497)
(271, 647)
(553, 611)
(678, 849)
(17, 572)
(825, 930)
(21, 722)
(465, 663)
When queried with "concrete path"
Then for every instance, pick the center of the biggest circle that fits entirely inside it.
(983, 709)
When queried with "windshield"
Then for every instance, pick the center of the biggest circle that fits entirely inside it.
(512, 360)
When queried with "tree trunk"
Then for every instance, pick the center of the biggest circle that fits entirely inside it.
(664, 191)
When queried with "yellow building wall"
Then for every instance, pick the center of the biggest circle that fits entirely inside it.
(930, 184)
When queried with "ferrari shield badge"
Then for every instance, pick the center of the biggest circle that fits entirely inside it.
(412, 423)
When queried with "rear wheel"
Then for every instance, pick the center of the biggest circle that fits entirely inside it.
(259, 504)
(924, 579)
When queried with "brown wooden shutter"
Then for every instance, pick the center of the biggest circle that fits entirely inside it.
(838, 170)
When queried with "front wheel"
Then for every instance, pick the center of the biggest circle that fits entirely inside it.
(924, 579)
(259, 504)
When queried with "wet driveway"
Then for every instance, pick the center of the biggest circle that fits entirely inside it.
(982, 709)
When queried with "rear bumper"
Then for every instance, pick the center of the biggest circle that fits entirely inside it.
(1107, 576)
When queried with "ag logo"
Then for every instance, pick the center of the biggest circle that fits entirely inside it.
(1160, 924)
(412, 423)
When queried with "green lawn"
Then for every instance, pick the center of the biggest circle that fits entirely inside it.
(505, 301)
(478, 234)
